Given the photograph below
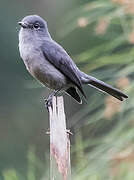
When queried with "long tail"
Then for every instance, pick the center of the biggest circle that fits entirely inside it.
(100, 85)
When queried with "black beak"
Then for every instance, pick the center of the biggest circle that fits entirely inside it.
(22, 24)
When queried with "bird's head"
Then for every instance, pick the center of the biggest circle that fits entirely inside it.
(33, 26)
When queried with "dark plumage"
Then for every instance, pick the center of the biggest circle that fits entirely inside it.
(48, 62)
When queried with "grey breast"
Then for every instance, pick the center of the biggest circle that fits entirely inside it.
(40, 68)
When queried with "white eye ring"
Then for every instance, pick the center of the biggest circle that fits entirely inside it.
(36, 26)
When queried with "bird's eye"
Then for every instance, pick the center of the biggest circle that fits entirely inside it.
(36, 26)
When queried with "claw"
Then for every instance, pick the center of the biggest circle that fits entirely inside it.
(48, 101)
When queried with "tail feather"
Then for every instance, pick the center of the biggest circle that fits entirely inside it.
(73, 93)
(100, 85)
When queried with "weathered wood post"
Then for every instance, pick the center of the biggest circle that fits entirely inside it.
(60, 167)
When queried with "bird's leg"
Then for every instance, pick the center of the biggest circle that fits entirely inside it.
(48, 101)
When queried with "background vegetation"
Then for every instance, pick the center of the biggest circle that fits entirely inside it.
(99, 36)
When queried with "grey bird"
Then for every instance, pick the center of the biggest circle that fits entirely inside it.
(49, 63)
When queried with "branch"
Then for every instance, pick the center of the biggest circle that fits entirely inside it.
(60, 168)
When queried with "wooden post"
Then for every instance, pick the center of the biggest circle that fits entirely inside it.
(60, 168)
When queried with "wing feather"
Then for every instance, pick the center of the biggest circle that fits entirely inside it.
(57, 56)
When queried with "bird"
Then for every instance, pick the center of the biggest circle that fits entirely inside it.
(50, 64)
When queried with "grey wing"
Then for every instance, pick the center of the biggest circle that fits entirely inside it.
(57, 56)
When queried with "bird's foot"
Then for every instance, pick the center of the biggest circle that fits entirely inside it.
(48, 102)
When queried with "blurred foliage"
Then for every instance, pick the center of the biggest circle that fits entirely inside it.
(99, 36)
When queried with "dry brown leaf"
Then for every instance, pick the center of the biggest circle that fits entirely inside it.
(82, 22)
(112, 106)
(102, 26)
(122, 83)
